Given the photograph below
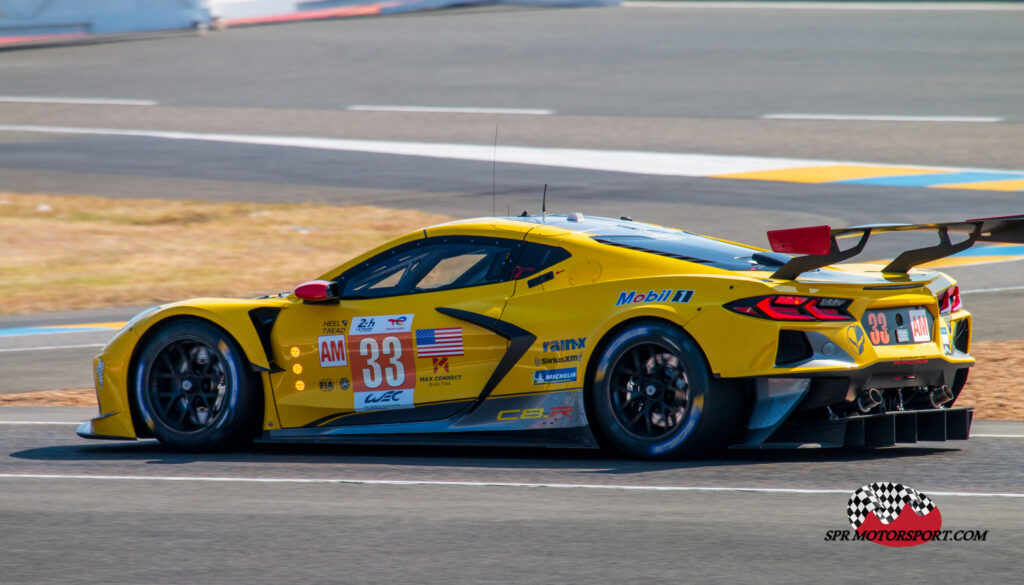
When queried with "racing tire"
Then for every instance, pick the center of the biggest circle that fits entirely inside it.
(653, 396)
(194, 390)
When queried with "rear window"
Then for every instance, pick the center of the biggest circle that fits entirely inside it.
(694, 248)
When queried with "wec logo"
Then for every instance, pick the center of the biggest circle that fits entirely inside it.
(386, 399)
(667, 295)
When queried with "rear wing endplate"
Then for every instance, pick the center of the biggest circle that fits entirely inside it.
(820, 247)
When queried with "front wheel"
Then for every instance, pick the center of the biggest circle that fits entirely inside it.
(193, 389)
(654, 398)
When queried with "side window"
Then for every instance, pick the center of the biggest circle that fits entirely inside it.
(536, 258)
(430, 265)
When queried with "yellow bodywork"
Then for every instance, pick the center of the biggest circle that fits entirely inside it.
(305, 381)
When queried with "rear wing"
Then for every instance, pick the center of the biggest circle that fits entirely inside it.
(820, 245)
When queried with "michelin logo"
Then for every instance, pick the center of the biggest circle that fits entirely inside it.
(667, 295)
(554, 376)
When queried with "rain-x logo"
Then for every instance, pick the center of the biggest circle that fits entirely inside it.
(892, 514)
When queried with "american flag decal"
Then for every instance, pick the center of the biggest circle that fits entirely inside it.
(438, 342)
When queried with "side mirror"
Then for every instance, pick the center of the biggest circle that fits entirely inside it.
(318, 292)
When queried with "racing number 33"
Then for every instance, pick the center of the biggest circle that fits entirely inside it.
(879, 333)
(371, 350)
(383, 371)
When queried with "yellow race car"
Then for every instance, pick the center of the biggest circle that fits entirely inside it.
(565, 330)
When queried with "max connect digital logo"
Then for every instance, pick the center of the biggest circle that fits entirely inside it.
(893, 514)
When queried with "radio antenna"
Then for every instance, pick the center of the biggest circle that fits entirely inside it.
(544, 204)
(494, 174)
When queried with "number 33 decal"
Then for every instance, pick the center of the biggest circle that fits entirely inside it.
(381, 361)
(394, 372)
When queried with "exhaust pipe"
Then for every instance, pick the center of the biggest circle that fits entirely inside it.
(940, 396)
(869, 400)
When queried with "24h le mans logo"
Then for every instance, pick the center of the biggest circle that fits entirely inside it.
(892, 514)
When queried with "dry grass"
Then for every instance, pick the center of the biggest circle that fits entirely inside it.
(992, 388)
(100, 252)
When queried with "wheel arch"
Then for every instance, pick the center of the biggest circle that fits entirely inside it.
(155, 327)
(606, 338)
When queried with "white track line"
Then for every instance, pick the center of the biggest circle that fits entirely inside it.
(36, 422)
(895, 6)
(46, 347)
(669, 164)
(79, 101)
(990, 290)
(998, 436)
(452, 110)
(622, 161)
(400, 482)
(882, 118)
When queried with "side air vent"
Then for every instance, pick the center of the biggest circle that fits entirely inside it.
(793, 348)
(961, 335)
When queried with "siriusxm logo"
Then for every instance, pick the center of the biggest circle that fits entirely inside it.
(554, 376)
(565, 344)
(666, 295)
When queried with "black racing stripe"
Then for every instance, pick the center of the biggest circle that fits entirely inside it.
(520, 341)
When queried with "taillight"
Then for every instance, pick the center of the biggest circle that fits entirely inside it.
(793, 308)
(949, 301)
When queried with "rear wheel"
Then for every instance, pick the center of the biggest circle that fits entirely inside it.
(193, 388)
(654, 398)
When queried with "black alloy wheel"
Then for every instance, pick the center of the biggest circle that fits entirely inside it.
(194, 390)
(654, 398)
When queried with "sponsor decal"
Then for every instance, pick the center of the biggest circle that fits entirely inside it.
(439, 342)
(855, 335)
(896, 515)
(666, 295)
(334, 327)
(530, 413)
(554, 376)
(384, 399)
(565, 344)
(913, 362)
(99, 373)
(439, 363)
(383, 368)
(332, 351)
(326, 385)
(552, 361)
(381, 324)
(344, 384)
(439, 380)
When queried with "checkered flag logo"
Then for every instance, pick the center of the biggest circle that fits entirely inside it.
(886, 500)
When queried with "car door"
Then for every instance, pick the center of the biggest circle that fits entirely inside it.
(403, 343)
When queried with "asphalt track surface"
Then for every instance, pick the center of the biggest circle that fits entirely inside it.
(135, 513)
(693, 80)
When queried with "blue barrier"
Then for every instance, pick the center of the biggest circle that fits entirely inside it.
(34, 21)
(32, 18)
